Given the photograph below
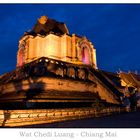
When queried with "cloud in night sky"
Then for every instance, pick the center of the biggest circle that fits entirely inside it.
(114, 29)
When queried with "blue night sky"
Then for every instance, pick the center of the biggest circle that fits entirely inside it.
(114, 30)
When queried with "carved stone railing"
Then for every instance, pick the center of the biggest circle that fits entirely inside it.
(48, 67)
(17, 118)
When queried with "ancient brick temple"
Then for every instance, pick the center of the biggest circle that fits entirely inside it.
(59, 70)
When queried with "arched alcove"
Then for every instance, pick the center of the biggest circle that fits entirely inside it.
(85, 55)
(20, 57)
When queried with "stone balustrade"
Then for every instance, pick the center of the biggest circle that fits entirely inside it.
(17, 118)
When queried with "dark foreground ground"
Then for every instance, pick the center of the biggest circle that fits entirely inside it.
(125, 120)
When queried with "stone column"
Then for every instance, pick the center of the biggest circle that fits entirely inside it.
(94, 58)
(73, 39)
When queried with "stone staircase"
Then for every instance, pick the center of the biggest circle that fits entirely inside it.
(106, 90)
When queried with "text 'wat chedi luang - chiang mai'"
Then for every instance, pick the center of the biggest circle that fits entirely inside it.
(58, 70)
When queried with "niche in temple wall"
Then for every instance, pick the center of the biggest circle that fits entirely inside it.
(21, 54)
(84, 51)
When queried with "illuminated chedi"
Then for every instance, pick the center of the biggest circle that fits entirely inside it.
(51, 39)
(56, 69)
(59, 70)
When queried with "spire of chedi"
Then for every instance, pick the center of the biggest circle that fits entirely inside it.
(46, 25)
